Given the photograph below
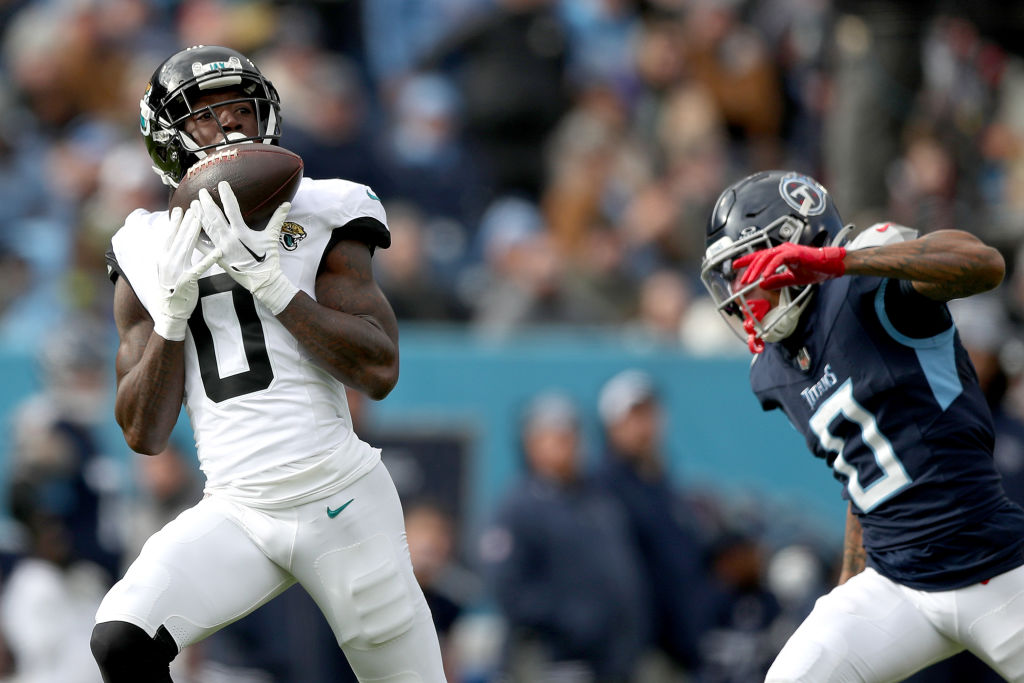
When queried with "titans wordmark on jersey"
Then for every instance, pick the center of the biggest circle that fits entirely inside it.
(272, 427)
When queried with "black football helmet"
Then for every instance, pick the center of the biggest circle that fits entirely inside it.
(761, 211)
(174, 87)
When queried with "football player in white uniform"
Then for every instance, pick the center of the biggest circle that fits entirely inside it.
(258, 332)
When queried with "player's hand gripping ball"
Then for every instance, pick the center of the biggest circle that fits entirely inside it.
(261, 176)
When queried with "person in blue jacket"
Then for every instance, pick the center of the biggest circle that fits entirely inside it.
(560, 563)
(664, 523)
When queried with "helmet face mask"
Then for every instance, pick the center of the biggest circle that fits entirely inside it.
(170, 102)
(762, 211)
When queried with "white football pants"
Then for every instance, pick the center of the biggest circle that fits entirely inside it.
(873, 630)
(219, 561)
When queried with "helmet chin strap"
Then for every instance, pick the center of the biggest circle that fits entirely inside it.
(753, 311)
(780, 321)
(766, 323)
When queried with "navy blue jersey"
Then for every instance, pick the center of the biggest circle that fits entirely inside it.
(906, 430)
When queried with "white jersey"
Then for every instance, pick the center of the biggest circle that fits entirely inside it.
(272, 427)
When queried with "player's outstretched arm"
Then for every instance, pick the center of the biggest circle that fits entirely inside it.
(150, 376)
(350, 327)
(942, 265)
(854, 556)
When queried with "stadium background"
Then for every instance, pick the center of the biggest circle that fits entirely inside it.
(623, 128)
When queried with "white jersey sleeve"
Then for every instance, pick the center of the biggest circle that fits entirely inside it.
(272, 427)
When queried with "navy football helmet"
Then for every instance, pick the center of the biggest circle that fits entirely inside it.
(761, 211)
(168, 103)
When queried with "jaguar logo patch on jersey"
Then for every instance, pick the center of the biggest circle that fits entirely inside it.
(803, 194)
(291, 235)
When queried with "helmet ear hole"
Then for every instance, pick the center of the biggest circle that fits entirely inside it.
(819, 239)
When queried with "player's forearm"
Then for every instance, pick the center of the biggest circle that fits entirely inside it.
(149, 396)
(854, 555)
(356, 349)
(943, 265)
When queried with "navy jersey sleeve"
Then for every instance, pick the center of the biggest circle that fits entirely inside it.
(914, 314)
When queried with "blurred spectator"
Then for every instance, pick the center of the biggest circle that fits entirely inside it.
(48, 604)
(659, 66)
(59, 467)
(662, 308)
(561, 563)
(330, 116)
(924, 184)
(244, 26)
(696, 161)
(510, 67)
(877, 75)
(797, 573)
(986, 333)
(730, 58)
(593, 167)
(399, 33)
(408, 275)
(522, 277)
(740, 641)
(447, 588)
(426, 162)
(167, 484)
(124, 182)
(600, 40)
(704, 335)
(63, 491)
(24, 186)
(664, 527)
(59, 86)
(15, 281)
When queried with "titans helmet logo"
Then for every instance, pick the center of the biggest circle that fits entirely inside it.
(291, 235)
(803, 194)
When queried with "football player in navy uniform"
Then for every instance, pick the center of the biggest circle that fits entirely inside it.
(258, 333)
(855, 344)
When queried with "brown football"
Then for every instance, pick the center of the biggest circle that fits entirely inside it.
(261, 176)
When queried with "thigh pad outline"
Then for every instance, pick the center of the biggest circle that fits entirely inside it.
(369, 596)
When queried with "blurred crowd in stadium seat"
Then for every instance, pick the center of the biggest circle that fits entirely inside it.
(542, 162)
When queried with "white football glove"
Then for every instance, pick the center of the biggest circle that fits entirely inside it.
(250, 256)
(177, 277)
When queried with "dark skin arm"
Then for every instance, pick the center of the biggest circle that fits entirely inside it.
(150, 376)
(854, 556)
(943, 265)
(350, 327)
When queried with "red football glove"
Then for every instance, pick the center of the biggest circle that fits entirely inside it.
(800, 265)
